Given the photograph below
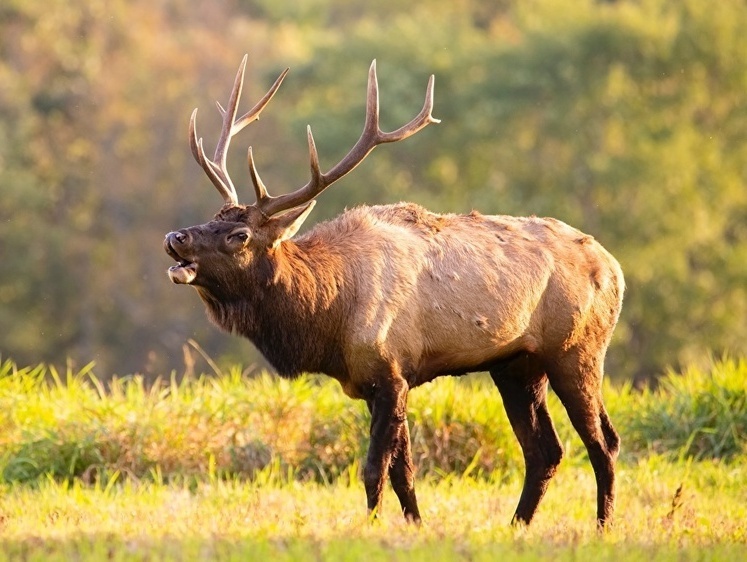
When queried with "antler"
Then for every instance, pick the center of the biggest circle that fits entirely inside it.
(216, 168)
(371, 137)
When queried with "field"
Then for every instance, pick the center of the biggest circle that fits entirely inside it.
(235, 468)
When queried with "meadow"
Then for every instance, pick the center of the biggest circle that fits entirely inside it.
(237, 467)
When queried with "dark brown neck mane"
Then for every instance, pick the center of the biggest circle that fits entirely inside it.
(289, 307)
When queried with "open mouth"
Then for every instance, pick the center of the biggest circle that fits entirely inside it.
(185, 271)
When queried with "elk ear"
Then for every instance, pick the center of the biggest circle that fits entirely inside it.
(287, 224)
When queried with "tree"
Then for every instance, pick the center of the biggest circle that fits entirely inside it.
(624, 119)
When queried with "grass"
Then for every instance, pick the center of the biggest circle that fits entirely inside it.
(466, 519)
(227, 467)
(74, 426)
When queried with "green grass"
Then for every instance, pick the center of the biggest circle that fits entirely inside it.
(229, 467)
(74, 426)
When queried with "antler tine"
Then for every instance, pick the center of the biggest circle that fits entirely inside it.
(259, 187)
(371, 137)
(263, 197)
(424, 118)
(371, 125)
(226, 189)
(253, 114)
(216, 168)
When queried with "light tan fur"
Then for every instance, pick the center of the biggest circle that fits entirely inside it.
(440, 292)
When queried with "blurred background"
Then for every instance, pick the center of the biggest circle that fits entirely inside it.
(626, 119)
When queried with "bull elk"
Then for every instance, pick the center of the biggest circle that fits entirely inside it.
(386, 298)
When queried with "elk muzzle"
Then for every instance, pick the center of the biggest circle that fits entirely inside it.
(185, 270)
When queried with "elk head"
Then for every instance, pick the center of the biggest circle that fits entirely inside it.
(208, 255)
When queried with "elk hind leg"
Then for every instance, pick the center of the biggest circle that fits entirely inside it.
(578, 384)
(523, 387)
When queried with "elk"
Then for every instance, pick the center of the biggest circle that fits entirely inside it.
(385, 298)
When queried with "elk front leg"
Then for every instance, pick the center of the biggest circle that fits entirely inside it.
(389, 451)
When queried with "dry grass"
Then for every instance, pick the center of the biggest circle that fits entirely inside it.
(466, 519)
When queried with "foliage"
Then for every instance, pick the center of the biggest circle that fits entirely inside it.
(694, 414)
(73, 427)
(625, 119)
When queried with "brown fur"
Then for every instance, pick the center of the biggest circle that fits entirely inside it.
(387, 298)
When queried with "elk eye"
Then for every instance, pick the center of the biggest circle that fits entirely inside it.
(240, 236)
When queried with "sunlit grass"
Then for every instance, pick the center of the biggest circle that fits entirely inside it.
(229, 467)
(464, 518)
(71, 425)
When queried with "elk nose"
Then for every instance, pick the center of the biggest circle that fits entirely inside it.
(178, 237)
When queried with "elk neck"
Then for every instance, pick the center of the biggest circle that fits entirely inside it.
(290, 304)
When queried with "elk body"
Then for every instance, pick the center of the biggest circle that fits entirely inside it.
(386, 298)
